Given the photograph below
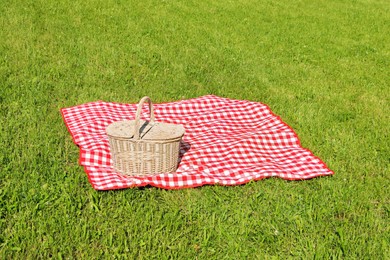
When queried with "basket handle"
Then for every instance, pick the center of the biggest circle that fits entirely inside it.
(138, 115)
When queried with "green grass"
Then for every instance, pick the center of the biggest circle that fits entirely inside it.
(323, 66)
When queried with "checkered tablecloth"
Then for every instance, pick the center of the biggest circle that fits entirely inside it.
(227, 142)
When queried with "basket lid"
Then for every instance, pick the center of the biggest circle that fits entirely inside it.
(147, 130)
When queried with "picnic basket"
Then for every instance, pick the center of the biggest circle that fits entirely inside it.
(141, 147)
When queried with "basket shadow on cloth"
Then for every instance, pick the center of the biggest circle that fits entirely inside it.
(184, 147)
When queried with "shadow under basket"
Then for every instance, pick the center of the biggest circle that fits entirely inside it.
(140, 147)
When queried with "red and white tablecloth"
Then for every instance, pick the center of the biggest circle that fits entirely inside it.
(227, 142)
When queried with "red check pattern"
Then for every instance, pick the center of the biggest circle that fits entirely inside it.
(227, 142)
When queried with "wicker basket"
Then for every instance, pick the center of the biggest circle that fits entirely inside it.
(140, 147)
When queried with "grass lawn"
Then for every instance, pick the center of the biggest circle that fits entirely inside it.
(322, 66)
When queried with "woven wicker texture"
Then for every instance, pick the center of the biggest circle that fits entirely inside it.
(140, 148)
